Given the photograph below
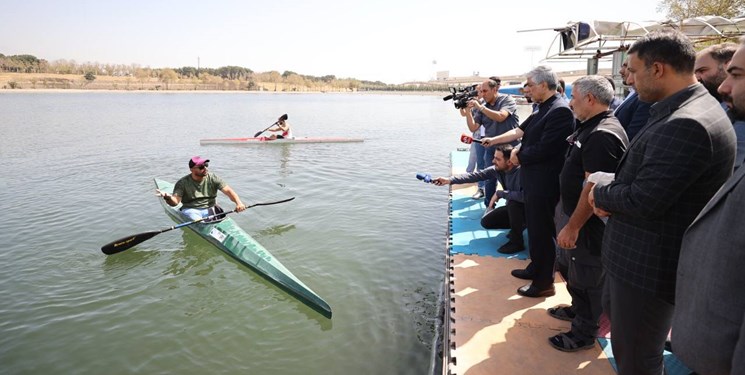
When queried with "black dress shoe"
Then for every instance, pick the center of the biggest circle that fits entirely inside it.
(523, 274)
(532, 291)
(479, 194)
(511, 248)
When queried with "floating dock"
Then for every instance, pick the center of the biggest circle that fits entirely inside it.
(489, 329)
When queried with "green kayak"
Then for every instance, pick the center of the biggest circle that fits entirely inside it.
(234, 241)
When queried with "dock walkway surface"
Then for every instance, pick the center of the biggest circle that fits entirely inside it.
(488, 328)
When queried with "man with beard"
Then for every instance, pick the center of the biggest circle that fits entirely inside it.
(497, 114)
(710, 72)
(668, 174)
(197, 192)
(708, 322)
(710, 65)
(512, 214)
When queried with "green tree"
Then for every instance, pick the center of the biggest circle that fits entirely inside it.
(682, 9)
(142, 74)
(90, 77)
(167, 76)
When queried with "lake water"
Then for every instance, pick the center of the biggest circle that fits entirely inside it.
(362, 232)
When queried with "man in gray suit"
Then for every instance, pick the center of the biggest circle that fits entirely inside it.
(708, 329)
(671, 169)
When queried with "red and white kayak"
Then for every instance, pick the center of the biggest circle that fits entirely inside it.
(266, 141)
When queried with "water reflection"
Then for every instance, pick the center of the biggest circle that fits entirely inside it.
(127, 260)
(201, 256)
(284, 160)
(276, 230)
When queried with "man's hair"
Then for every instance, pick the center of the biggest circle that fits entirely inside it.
(668, 47)
(597, 86)
(721, 53)
(612, 83)
(542, 74)
(506, 150)
(492, 83)
(496, 79)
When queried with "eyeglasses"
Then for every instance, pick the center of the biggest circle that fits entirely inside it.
(201, 167)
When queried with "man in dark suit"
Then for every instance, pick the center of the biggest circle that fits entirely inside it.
(708, 327)
(672, 168)
(541, 156)
(631, 113)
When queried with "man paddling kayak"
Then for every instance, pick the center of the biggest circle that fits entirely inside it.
(198, 190)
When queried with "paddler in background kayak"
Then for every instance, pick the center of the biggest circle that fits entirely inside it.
(282, 126)
(198, 190)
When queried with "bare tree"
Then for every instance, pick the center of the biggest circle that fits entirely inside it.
(142, 75)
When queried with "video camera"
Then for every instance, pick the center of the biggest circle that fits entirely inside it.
(462, 96)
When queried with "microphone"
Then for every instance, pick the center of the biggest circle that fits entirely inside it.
(424, 177)
(467, 139)
(448, 97)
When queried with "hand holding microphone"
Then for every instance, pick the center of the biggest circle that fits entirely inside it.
(424, 177)
(467, 139)
(439, 181)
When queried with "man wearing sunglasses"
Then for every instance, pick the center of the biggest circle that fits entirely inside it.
(197, 191)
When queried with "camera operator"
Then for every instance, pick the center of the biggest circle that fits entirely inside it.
(476, 155)
(497, 114)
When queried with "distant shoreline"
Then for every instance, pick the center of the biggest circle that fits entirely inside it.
(111, 91)
(11, 81)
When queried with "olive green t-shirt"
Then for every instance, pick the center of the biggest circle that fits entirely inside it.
(198, 194)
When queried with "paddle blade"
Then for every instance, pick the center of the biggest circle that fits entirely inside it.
(258, 134)
(127, 242)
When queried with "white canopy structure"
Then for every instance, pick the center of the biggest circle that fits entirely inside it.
(598, 39)
(605, 40)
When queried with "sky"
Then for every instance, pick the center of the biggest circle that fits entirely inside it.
(393, 41)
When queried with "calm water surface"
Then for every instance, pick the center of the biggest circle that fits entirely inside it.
(363, 233)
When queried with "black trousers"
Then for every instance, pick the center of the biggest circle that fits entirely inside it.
(585, 285)
(510, 216)
(640, 323)
(583, 270)
(539, 215)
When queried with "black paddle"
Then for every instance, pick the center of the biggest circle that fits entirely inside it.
(281, 118)
(127, 242)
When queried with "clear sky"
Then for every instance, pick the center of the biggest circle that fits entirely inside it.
(393, 41)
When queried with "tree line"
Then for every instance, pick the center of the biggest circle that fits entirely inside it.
(189, 77)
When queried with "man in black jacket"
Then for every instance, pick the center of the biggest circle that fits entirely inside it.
(596, 145)
(540, 156)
